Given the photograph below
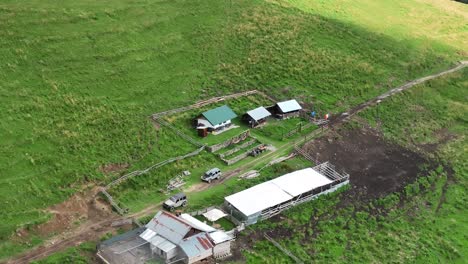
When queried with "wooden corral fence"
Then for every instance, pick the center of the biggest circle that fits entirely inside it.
(236, 222)
(285, 251)
(154, 166)
(240, 156)
(234, 150)
(177, 131)
(296, 130)
(140, 172)
(113, 203)
(210, 101)
(234, 140)
(305, 154)
(202, 211)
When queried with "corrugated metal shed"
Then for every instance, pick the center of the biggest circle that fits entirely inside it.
(169, 226)
(258, 198)
(259, 113)
(148, 234)
(289, 106)
(196, 245)
(156, 240)
(301, 181)
(219, 237)
(166, 246)
(219, 115)
(197, 224)
(276, 191)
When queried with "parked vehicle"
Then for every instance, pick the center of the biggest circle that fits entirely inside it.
(258, 151)
(212, 174)
(175, 201)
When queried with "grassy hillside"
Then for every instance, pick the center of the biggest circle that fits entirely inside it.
(425, 222)
(428, 21)
(79, 78)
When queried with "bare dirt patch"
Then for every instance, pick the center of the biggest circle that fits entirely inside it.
(376, 167)
(82, 217)
(80, 207)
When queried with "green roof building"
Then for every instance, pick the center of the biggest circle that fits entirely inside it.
(216, 119)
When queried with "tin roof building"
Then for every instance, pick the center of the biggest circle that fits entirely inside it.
(272, 197)
(169, 238)
(286, 109)
(217, 117)
(256, 116)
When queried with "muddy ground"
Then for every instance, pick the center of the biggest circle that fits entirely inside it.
(376, 166)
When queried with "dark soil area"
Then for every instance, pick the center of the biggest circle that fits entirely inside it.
(376, 167)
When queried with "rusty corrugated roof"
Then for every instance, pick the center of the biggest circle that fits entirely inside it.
(195, 245)
(169, 226)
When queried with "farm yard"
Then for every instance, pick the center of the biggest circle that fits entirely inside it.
(80, 81)
(403, 194)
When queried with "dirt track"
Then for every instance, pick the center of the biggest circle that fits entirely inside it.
(94, 229)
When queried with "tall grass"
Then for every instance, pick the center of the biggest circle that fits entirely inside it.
(78, 81)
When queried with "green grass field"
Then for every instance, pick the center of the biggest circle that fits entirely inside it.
(424, 223)
(79, 79)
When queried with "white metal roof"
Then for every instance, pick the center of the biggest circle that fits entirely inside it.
(166, 246)
(195, 223)
(219, 237)
(258, 198)
(258, 113)
(214, 215)
(148, 234)
(288, 106)
(277, 191)
(156, 240)
(301, 181)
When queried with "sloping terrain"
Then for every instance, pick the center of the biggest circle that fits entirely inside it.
(406, 202)
(78, 80)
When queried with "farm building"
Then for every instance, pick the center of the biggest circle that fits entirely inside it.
(214, 120)
(167, 238)
(286, 109)
(267, 199)
(256, 116)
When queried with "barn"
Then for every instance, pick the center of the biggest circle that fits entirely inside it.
(267, 199)
(167, 238)
(286, 109)
(214, 120)
(256, 116)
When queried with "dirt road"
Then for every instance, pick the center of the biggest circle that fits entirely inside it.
(90, 230)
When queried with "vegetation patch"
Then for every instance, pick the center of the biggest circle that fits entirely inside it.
(81, 254)
(421, 220)
(79, 81)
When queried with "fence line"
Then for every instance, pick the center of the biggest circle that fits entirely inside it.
(202, 211)
(240, 156)
(296, 130)
(154, 166)
(113, 203)
(178, 132)
(305, 154)
(285, 251)
(234, 150)
(209, 101)
(234, 140)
